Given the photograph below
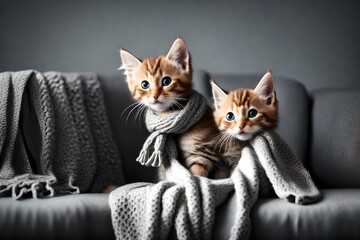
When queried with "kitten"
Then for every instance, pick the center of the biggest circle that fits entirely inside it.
(164, 83)
(241, 114)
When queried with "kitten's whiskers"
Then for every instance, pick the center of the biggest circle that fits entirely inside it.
(138, 112)
(219, 140)
(134, 106)
(131, 105)
(173, 103)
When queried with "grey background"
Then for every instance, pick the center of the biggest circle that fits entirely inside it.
(315, 42)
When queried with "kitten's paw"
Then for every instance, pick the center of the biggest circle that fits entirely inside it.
(110, 188)
(199, 170)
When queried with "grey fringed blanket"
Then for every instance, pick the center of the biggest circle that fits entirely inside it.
(54, 135)
(187, 203)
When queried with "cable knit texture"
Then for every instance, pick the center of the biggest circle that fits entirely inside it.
(54, 135)
(160, 144)
(187, 203)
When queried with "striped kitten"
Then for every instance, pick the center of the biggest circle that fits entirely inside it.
(164, 83)
(241, 114)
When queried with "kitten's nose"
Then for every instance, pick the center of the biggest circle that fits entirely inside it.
(156, 97)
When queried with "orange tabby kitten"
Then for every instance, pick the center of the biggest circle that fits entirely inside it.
(241, 114)
(164, 83)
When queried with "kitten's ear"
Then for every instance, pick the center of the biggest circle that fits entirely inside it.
(265, 88)
(129, 62)
(179, 54)
(218, 94)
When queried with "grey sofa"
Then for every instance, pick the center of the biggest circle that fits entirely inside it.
(322, 128)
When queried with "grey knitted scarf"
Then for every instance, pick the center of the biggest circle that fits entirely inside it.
(54, 135)
(187, 203)
(160, 145)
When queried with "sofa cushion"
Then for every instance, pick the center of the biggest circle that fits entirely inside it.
(335, 149)
(336, 216)
(79, 216)
(87, 216)
(293, 118)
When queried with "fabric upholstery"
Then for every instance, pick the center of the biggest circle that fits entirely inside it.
(87, 216)
(128, 134)
(335, 149)
(336, 216)
(80, 216)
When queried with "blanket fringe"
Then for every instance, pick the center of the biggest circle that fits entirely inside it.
(19, 189)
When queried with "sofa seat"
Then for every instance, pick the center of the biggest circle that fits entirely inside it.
(336, 216)
(87, 216)
(81, 216)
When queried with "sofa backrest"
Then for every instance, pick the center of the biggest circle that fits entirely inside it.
(323, 130)
(335, 148)
(129, 135)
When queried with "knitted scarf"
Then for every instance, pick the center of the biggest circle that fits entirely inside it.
(160, 144)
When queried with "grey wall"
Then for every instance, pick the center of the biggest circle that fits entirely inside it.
(316, 42)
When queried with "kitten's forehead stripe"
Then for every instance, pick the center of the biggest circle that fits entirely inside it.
(240, 101)
(148, 67)
(244, 97)
(153, 65)
(242, 111)
(157, 66)
(241, 97)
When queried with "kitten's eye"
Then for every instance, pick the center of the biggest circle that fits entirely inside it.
(166, 81)
(230, 116)
(145, 84)
(252, 113)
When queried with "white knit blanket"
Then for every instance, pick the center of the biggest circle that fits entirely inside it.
(187, 203)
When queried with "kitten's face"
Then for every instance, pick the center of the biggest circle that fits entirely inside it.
(159, 82)
(242, 113)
